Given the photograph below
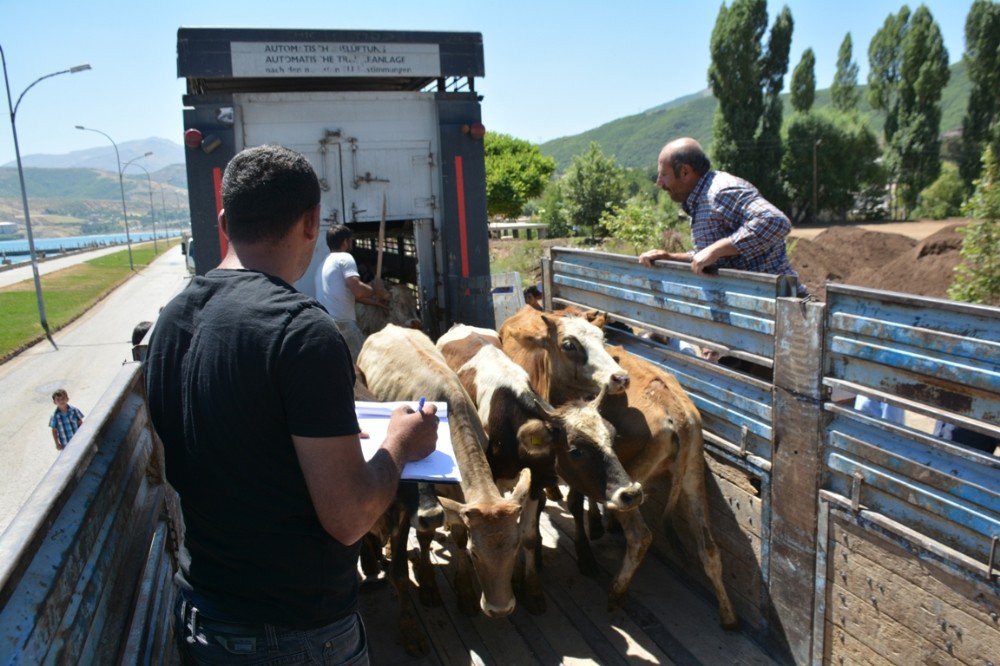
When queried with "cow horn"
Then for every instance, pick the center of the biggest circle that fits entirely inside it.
(596, 402)
(544, 406)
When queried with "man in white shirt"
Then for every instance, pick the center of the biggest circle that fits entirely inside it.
(338, 286)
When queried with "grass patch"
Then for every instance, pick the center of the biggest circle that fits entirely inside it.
(68, 293)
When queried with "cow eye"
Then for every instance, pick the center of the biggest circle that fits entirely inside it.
(568, 345)
(575, 452)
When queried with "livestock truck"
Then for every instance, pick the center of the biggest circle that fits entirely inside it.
(390, 121)
(845, 539)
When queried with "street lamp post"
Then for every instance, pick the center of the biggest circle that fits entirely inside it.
(149, 182)
(121, 184)
(24, 190)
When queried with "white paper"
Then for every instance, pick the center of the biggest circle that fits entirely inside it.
(438, 467)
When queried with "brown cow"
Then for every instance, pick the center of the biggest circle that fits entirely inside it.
(403, 364)
(659, 433)
(564, 355)
(524, 431)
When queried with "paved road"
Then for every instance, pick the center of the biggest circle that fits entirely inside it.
(91, 351)
(21, 273)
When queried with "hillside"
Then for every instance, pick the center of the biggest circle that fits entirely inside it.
(635, 140)
(69, 202)
(164, 153)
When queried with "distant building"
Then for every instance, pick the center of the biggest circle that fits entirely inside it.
(8, 228)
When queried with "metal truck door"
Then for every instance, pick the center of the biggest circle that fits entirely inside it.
(401, 170)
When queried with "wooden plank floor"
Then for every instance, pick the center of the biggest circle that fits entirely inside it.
(665, 620)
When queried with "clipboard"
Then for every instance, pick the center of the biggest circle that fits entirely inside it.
(439, 467)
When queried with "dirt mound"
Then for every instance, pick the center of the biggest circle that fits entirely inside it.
(878, 260)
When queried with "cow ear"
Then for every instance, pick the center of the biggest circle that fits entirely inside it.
(596, 318)
(534, 440)
(452, 509)
(551, 327)
(520, 494)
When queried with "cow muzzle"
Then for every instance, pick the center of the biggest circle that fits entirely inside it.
(493, 611)
(627, 498)
(618, 383)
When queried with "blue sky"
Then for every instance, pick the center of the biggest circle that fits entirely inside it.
(552, 68)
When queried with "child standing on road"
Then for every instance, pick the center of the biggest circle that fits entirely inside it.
(65, 421)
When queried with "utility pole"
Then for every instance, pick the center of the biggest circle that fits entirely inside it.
(815, 210)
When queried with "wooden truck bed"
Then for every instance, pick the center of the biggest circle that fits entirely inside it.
(666, 620)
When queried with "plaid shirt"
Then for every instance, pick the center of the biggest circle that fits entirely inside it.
(66, 423)
(724, 206)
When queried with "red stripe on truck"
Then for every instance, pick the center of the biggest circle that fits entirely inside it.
(463, 235)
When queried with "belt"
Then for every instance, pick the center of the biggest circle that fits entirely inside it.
(236, 638)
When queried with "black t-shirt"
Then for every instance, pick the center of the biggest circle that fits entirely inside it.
(237, 364)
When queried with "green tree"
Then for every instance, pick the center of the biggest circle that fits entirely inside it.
(846, 153)
(982, 62)
(516, 171)
(942, 198)
(747, 80)
(553, 211)
(909, 69)
(844, 93)
(642, 221)
(593, 184)
(804, 82)
(977, 278)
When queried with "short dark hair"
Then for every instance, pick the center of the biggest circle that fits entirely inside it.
(265, 190)
(532, 291)
(336, 235)
(140, 330)
(693, 156)
(59, 393)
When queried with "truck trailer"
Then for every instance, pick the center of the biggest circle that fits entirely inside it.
(390, 121)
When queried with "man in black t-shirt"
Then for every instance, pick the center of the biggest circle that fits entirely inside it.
(250, 387)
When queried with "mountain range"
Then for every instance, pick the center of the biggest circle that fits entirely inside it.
(636, 140)
(165, 153)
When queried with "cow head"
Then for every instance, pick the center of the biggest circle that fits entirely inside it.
(563, 353)
(587, 461)
(494, 542)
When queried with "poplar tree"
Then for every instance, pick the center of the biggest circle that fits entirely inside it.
(982, 62)
(844, 93)
(804, 82)
(909, 69)
(747, 80)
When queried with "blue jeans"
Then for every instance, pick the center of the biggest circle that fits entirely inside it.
(203, 640)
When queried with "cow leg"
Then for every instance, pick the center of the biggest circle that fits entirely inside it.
(637, 540)
(695, 506)
(534, 599)
(414, 640)
(430, 516)
(372, 561)
(538, 542)
(594, 521)
(465, 576)
(584, 555)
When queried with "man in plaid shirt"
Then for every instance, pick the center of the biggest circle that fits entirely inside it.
(732, 225)
(66, 420)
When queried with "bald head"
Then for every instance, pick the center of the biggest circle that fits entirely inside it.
(681, 164)
(685, 151)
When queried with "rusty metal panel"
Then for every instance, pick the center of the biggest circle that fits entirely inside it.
(943, 354)
(930, 356)
(70, 561)
(936, 499)
(730, 308)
